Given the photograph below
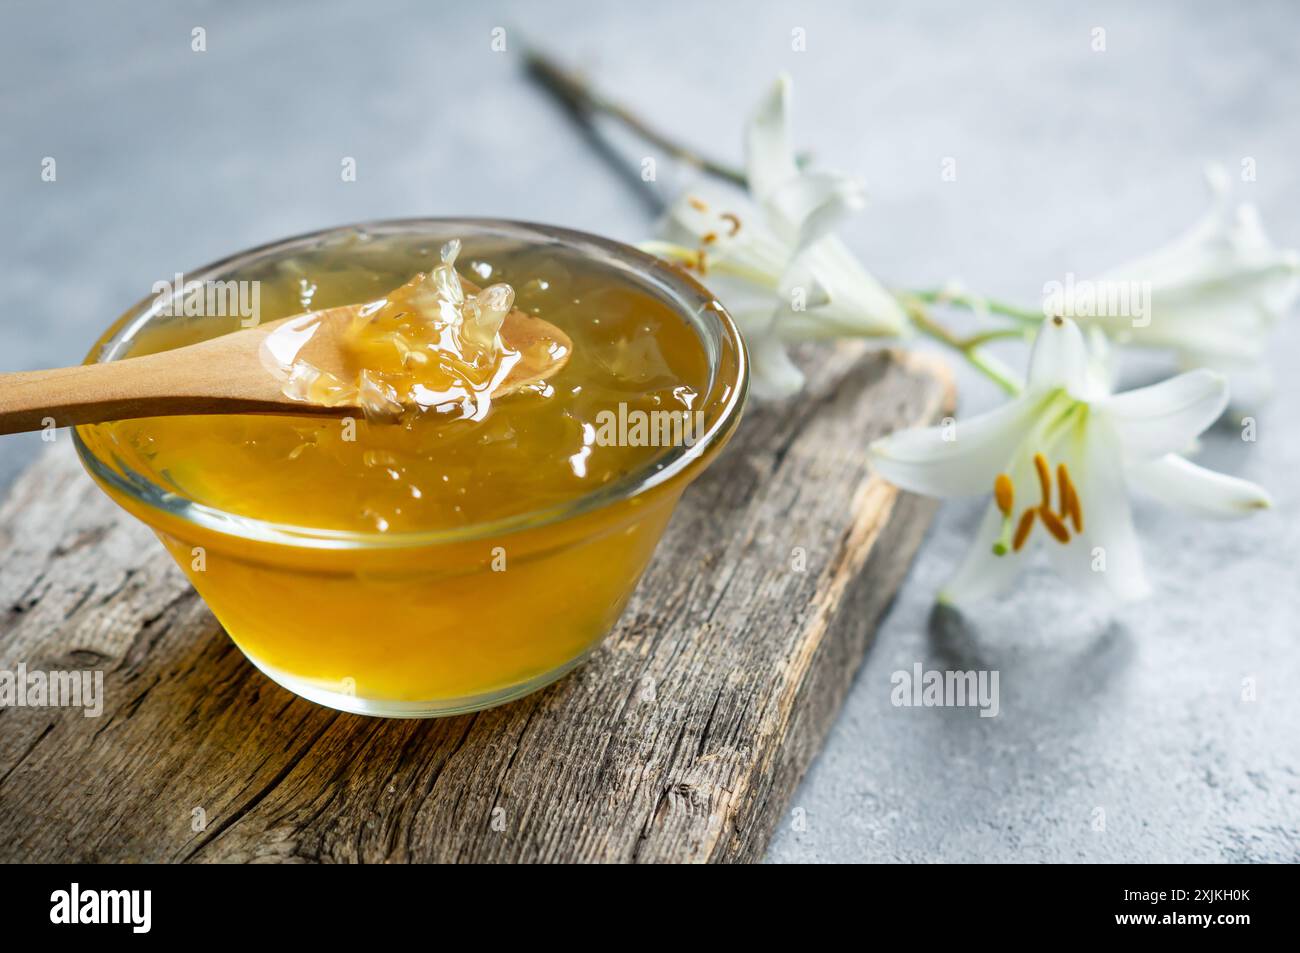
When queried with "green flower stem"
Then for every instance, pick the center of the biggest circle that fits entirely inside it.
(999, 334)
(976, 303)
(969, 348)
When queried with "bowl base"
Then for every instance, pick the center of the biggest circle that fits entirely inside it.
(387, 708)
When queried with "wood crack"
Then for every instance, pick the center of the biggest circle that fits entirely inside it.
(245, 809)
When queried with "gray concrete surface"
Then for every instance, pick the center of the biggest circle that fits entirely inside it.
(1068, 160)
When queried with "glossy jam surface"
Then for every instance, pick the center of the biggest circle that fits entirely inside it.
(467, 460)
(434, 346)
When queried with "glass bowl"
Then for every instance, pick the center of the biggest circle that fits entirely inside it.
(419, 624)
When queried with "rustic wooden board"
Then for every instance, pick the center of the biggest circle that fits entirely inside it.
(682, 740)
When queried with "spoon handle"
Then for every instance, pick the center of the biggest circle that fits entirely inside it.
(198, 379)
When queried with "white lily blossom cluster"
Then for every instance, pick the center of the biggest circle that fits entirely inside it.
(1061, 457)
(771, 257)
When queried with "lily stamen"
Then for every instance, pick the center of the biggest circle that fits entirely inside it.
(1044, 478)
(1022, 531)
(1004, 495)
(1004, 492)
(1054, 524)
(1069, 498)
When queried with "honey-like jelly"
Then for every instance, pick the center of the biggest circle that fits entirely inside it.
(430, 347)
(418, 561)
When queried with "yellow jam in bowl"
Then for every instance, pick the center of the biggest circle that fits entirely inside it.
(454, 556)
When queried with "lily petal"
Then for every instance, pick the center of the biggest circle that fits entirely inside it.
(809, 207)
(981, 573)
(856, 304)
(1250, 382)
(773, 375)
(1166, 417)
(1059, 358)
(769, 160)
(958, 460)
(1106, 556)
(1173, 479)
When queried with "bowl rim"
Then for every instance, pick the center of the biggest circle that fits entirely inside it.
(683, 292)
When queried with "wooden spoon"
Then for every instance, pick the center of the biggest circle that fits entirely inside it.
(228, 375)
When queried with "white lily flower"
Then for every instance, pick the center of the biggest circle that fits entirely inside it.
(771, 258)
(1060, 459)
(1213, 295)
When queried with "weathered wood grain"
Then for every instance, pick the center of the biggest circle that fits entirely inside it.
(682, 739)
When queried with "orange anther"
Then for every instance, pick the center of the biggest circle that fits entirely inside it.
(1022, 531)
(1044, 478)
(1004, 491)
(1054, 524)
